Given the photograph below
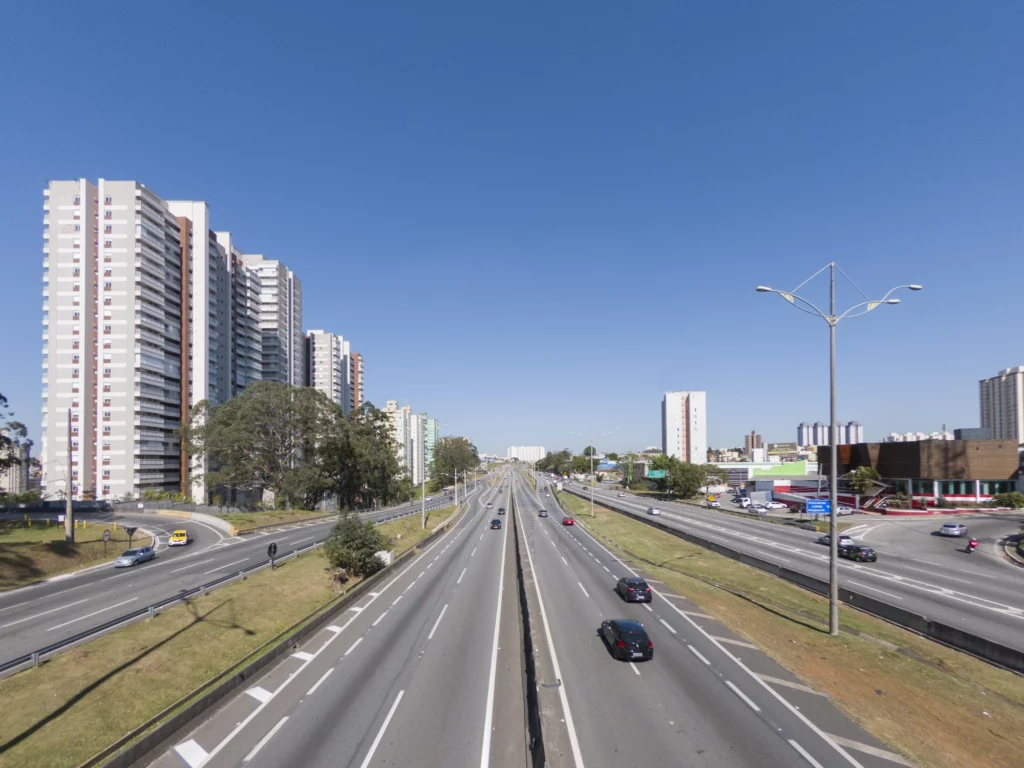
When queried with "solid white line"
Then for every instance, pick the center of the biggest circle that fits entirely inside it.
(699, 655)
(790, 684)
(191, 753)
(743, 696)
(742, 643)
(94, 613)
(804, 753)
(260, 694)
(353, 646)
(853, 583)
(303, 655)
(462, 574)
(584, 591)
(379, 618)
(564, 560)
(441, 616)
(667, 625)
(380, 733)
(317, 683)
(44, 613)
(882, 753)
(302, 541)
(485, 754)
(265, 739)
(634, 667)
(228, 565)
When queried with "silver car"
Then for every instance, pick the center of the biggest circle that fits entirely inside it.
(653, 511)
(134, 557)
(953, 529)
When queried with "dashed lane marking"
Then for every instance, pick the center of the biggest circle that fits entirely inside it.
(191, 753)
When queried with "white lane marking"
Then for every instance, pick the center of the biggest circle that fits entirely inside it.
(864, 533)
(317, 683)
(667, 625)
(441, 616)
(44, 613)
(938, 575)
(379, 619)
(396, 600)
(584, 591)
(334, 629)
(302, 541)
(356, 608)
(260, 694)
(790, 684)
(265, 739)
(94, 613)
(421, 574)
(485, 755)
(634, 667)
(227, 565)
(698, 654)
(648, 607)
(733, 641)
(805, 754)
(743, 696)
(882, 753)
(606, 568)
(853, 583)
(380, 733)
(193, 565)
(473, 552)
(303, 655)
(574, 743)
(462, 574)
(191, 753)
(353, 646)
(564, 560)
(409, 587)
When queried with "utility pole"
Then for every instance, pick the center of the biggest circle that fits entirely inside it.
(69, 515)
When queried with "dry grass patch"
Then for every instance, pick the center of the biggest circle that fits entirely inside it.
(939, 707)
(245, 521)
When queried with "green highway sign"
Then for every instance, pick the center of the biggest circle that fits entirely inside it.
(656, 474)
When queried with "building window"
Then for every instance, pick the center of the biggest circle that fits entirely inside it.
(106, 371)
(78, 200)
(106, 401)
(107, 200)
(108, 286)
(106, 474)
(107, 229)
(107, 244)
(106, 429)
(106, 387)
(74, 359)
(106, 329)
(106, 490)
(107, 272)
(108, 214)
(76, 287)
(74, 430)
(74, 445)
(107, 301)
(106, 446)
(74, 373)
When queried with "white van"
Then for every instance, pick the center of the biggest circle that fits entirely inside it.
(743, 501)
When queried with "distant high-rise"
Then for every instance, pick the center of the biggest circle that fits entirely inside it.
(327, 366)
(527, 453)
(246, 308)
(684, 429)
(751, 441)
(850, 433)
(431, 431)
(1002, 404)
(356, 381)
(280, 321)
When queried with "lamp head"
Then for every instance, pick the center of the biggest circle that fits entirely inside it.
(763, 289)
(915, 287)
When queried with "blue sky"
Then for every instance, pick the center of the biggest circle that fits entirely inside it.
(535, 218)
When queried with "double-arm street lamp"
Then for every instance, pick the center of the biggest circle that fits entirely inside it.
(593, 450)
(833, 320)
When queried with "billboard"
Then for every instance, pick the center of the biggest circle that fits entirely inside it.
(781, 449)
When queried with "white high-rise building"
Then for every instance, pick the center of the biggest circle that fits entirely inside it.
(431, 431)
(527, 453)
(246, 334)
(284, 343)
(357, 381)
(850, 433)
(684, 428)
(327, 367)
(417, 452)
(1002, 404)
(401, 430)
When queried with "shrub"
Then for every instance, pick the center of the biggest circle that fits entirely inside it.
(1012, 499)
(353, 544)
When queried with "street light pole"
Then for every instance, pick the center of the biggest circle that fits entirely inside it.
(833, 320)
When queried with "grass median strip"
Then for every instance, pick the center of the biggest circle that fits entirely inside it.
(915, 695)
(244, 521)
(73, 706)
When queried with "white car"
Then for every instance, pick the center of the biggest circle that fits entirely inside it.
(841, 510)
(621, 495)
(953, 529)
(758, 509)
(743, 501)
(844, 540)
(490, 505)
(774, 505)
(653, 511)
(712, 504)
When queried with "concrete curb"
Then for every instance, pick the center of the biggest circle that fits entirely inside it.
(200, 517)
(1009, 545)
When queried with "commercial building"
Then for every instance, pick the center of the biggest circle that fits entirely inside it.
(751, 441)
(280, 321)
(971, 470)
(821, 434)
(684, 429)
(1002, 404)
(527, 453)
(972, 433)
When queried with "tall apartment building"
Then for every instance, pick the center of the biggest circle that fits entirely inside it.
(417, 452)
(431, 431)
(401, 430)
(357, 382)
(280, 321)
(327, 366)
(1002, 404)
(850, 433)
(684, 428)
(527, 453)
(752, 441)
(246, 334)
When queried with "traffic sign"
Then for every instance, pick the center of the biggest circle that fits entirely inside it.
(272, 550)
(819, 507)
(130, 530)
(106, 535)
(656, 474)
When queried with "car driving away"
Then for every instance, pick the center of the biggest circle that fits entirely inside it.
(843, 540)
(495, 523)
(132, 557)
(179, 538)
(627, 640)
(858, 552)
(542, 513)
(568, 521)
(633, 589)
(953, 529)
(501, 510)
(653, 511)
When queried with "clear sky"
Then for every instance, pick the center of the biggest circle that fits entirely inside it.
(535, 218)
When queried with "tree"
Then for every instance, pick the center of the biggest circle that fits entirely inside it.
(686, 479)
(13, 434)
(358, 462)
(612, 456)
(581, 465)
(714, 475)
(1011, 499)
(558, 463)
(352, 544)
(863, 480)
(589, 451)
(453, 454)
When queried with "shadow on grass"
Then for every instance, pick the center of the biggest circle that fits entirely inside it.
(17, 568)
(76, 698)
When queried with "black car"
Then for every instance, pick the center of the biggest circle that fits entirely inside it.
(858, 552)
(501, 510)
(633, 590)
(627, 640)
(495, 523)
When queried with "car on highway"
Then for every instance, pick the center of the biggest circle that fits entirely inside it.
(953, 529)
(501, 510)
(547, 495)
(774, 505)
(132, 557)
(843, 540)
(653, 511)
(568, 521)
(495, 523)
(179, 538)
(858, 552)
(542, 513)
(621, 495)
(490, 505)
(627, 639)
(743, 501)
(633, 589)
(712, 504)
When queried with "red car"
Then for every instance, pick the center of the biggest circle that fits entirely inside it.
(568, 521)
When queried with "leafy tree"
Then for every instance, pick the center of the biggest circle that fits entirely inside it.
(358, 462)
(686, 479)
(1012, 499)
(558, 463)
(12, 434)
(581, 465)
(714, 475)
(589, 451)
(612, 456)
(863, 479)
(453, 454)
(352, 544)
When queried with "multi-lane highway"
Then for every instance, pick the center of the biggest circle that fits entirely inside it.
(34, 617)
(917, 570)
(425, 671)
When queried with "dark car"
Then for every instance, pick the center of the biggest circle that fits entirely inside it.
(858, 552)
(627, 639)
(495, 523)
(633, 589)
(543, 513)
(501, 510)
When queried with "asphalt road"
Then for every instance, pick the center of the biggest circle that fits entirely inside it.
(426, 671)
(34, 617)
(917, 570)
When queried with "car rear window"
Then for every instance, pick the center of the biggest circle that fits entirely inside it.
(634, 636)
(637, 583)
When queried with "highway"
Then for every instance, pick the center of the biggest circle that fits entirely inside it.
(37, 616)
(425, 671)
(917, 570)
(695, 703)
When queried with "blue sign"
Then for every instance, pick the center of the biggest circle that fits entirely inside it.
(819, 507)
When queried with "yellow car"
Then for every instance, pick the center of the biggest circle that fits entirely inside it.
(179, 539)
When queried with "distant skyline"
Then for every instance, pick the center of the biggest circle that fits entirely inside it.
(537, 222)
